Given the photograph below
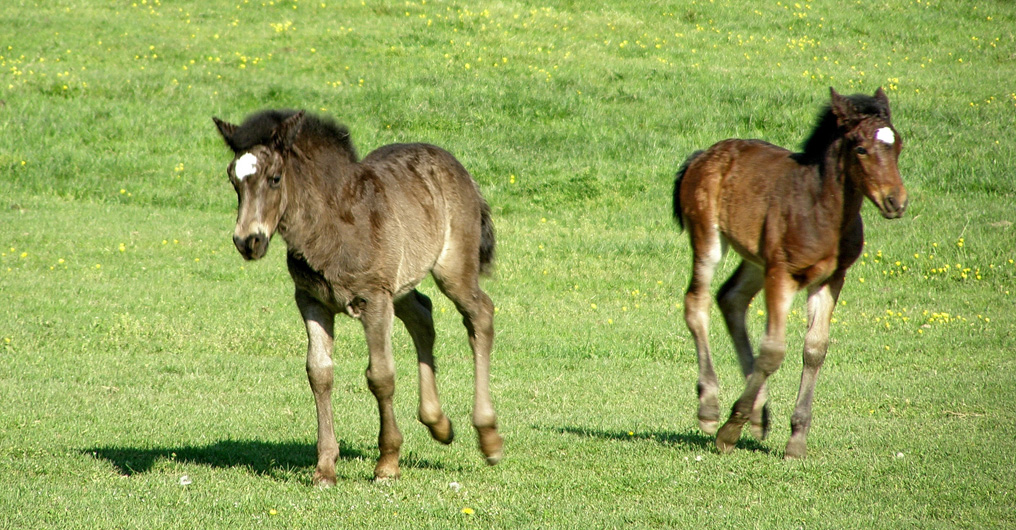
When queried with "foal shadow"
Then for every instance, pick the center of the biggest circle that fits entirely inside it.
(276, 460)
(691, 439)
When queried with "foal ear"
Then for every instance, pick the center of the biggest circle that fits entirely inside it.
(286, 133)
(883, 101)
(227, 130)
(842, 107)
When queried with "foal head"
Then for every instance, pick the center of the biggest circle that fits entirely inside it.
(258, 173)
(870, 149)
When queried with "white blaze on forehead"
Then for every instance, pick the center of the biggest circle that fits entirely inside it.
(885, 134)
(246, 166)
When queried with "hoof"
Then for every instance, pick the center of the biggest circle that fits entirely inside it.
(708, 413)
(442, 431)
(386, 475)
(708, 426)
(494, 456)
(760, 424)
(324, 480)
(492, 460)
(795, 449)
(491, 445)
(387, 468)
(727, 437)
(759, 430)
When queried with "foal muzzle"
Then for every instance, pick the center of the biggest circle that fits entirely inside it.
(893, 206)
(252, 247)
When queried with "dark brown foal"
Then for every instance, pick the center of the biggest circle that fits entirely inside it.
(794, 218)
(360, 236)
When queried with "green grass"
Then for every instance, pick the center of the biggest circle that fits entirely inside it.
(136, 347)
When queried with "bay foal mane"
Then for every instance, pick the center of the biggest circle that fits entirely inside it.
(794, 218)
(315, 132)
(828, 127)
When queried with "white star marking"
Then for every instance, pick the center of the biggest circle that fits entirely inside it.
(885, 135)
(247, 165)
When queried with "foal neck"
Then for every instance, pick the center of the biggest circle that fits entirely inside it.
(837, 185)
(314, 193)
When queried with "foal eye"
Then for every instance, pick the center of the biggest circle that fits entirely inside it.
(860, 150)
(274, 180)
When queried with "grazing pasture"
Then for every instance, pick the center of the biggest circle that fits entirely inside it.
(151, 378)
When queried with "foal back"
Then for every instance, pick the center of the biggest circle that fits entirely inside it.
(754, 196)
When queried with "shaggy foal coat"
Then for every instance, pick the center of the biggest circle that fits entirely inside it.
(360, 236)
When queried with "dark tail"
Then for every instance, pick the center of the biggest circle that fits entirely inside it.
(487, 242)
(677, 188)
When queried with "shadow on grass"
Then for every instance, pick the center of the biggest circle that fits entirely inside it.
(690, 439)
(271, 459)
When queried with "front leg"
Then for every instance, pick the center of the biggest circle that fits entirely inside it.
(376, 316)
(320, 323)
(821, 302)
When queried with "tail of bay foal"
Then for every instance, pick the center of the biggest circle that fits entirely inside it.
(794, 218)
(360, 236)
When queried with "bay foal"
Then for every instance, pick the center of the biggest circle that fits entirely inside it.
(795, 220)
(360, 236)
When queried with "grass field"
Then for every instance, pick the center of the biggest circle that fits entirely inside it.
(149, 378)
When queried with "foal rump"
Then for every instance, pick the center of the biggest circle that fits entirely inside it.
(677, 187)
(432, 184)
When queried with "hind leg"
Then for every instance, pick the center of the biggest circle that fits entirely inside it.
(708, 250)
(460, 282)
(733, 298)
(780, 288)
(414, 310)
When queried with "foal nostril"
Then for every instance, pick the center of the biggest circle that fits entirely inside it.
(256, 243)
(892, 206)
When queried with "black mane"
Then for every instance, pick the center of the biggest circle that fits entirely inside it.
(257, 129)
(827, 130)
